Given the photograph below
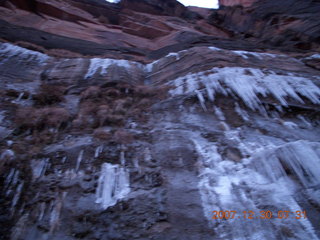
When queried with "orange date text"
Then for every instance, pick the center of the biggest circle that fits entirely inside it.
(259, 215)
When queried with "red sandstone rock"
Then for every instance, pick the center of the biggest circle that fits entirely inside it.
(145, 29)
(244, 3)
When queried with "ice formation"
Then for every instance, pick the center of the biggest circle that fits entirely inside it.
(177, 55)
(247, 54)
(98, 151)
(39, 167)
(248, 84)
(113, 1)
(256, 184)
(8, 154)
(102, 65)
(300, 158)
(314, 56)
(8, 50)
(113, 185)
(79, 160)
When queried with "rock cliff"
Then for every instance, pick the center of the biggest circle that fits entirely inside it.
(139, 120)
(243, 3)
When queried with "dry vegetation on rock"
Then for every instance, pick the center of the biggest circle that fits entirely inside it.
(99, 107)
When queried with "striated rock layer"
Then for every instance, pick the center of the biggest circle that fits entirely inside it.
(111, 129)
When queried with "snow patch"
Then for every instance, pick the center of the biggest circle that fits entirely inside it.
(247, 54)
(314, 56)
(8, 51)
(102, 64)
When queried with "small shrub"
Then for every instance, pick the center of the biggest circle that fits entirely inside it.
(144, 103)
(54, 117)
(39, 119)
(115, 119)
(120, 106)
(102, 113)
(88, 108)
(144, 91)
(78, 123)
(112, 92)
(49, 94)
(151, 91)
(102, 134)
(93, 92)
(122, 136)
(27, 117)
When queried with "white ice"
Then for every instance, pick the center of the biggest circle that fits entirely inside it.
(9, 50)
(113, 185)
(79, 160)
(254, 182)
(102, 65)
(248, 87)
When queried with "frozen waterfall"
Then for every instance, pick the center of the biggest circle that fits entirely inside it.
(113, 185)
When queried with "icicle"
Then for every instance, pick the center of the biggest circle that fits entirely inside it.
(13, 182)
(201, 100)
(136, 164)
(224, 126)
(242, 113)
(279, 108)
(55, 212)
(42, 210)
(301, 157)
(306, 123)
(113, 185)
(210, 92)
(38, 168)
(248, 87)
(9, 178)
(122, 158)
(79, 159)
(147, 155)
(225, 185)
(219, 113)
(98, 151)
(22, 208)
(20, 96)
(16, 197)
(290, 125)
(64, 159)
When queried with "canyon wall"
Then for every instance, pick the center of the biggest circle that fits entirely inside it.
(243, 3)
(140, 119)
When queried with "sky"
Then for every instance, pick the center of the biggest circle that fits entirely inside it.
(198, 3)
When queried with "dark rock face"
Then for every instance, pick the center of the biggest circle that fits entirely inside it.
(292, 25)
(133, 28)
(141, 124)
(243, 3)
